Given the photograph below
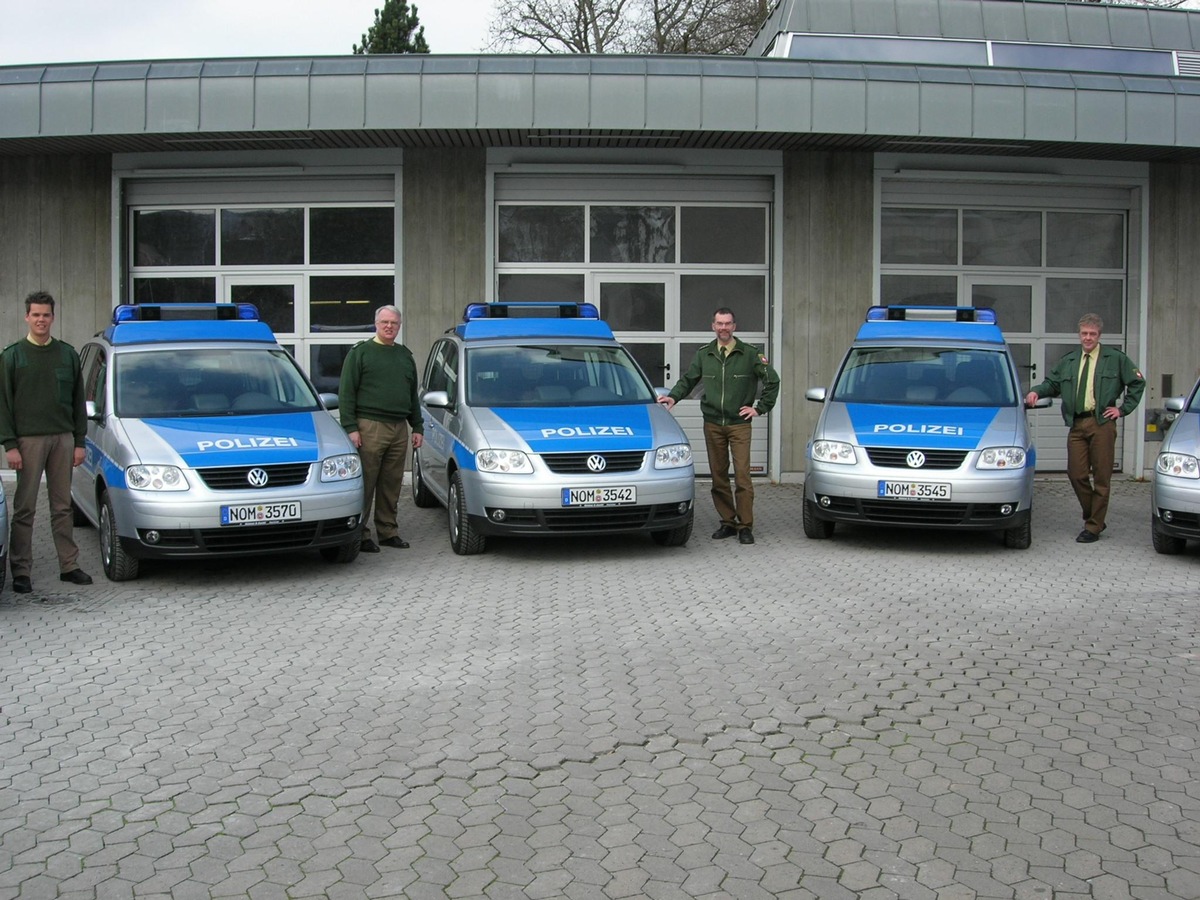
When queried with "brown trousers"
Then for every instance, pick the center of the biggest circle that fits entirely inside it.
(54, 455)
(383, 452)
(1091, 445)
(724, 442)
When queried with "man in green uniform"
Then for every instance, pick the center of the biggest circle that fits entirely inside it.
(1090, 381)
(42, 427)
(377, 402)
(731, 371)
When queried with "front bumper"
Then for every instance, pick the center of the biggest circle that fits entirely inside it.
(1175, 502)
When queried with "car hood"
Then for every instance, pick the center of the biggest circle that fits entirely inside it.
(566, 429)
(237, 440)
(1184, 435)
(939, 427)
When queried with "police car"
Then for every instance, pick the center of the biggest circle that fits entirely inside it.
(538, 422)
(924, 425)
(205, 439)
(3, 537)
(1175, 486)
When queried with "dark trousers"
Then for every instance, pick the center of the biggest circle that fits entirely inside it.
(1091, 445)
(383, 451)
(726, 442)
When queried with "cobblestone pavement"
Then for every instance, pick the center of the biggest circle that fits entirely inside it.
(885, 714)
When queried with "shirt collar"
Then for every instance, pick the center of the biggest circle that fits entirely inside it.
(49, 341)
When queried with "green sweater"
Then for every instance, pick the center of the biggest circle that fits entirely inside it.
(41, 392)
(379, 382)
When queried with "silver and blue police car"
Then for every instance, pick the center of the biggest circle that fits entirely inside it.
(1175, 486)
(205, 439)
(538, 422)
(924, 425)
(3, 537)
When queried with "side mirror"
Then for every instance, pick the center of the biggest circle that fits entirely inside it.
(89, 408)
(436, 399)
(1175, 404)
(815, 394)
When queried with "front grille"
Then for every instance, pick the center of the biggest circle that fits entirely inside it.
(897, 458)
(249, 539)
(905, 512)
(233, 478)
(576, 463)
(1182, 522)
(593, 519)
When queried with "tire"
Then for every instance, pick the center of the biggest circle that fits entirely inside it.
(346, 553)
(1021, 537)
(675, 537)
(118, 565)
(463, 537)
(78, 519)
(3, 571)
(1165, 543)
(816, 528)
(421, 495)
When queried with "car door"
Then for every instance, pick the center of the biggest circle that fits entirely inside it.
(441, 374)
(94, 366)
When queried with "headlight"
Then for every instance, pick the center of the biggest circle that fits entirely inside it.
(155, 478)
(673, 456)
(1002, 458)
(834, 452)
(341, 468)
(508, 462)
(1178, 464)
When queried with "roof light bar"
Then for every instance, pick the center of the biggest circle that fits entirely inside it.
(179, 312)
(982, 314)
(530, 310)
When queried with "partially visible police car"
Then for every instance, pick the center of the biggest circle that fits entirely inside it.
(924, 425)
(1175, 487)
(538, 422)
(205, 438)
(3, 537)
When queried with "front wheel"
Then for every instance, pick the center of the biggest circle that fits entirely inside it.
(118, 565)
(1164, 543)
(465, 540)
(346, 553)
(814, 527)
(675, 537)
(421, 495)
(1021, 537)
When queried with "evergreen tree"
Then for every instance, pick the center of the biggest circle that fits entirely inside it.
(396, 30)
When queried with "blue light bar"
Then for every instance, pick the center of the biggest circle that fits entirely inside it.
(179, 312)
(530, 310)
(982, 314)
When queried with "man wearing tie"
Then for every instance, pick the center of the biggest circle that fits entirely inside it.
(1091, 381)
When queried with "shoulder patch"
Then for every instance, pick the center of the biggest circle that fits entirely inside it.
(762, 358)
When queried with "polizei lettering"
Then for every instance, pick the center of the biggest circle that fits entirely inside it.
(246, 443)
(956, 430)
(589, 431)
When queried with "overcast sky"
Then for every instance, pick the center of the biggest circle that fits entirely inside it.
(44, 31)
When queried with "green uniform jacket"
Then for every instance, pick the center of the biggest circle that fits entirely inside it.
(729, 383)
(1115, 374)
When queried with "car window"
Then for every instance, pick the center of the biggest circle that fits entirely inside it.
(208, 381)
(93, 366)
(923, 376)
(442, 372)
(554, 375)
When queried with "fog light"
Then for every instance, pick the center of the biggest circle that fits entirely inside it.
(498, 515)
(1006, 509)
(151, 537)
(351, 523)
(683, 507)
(824, 501)
(1166, 514)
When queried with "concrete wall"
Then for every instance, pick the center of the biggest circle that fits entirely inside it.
(55, 235)
(444, 241)
(828, 203)
(1173, 338)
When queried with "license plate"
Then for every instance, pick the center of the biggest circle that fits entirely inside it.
(605, 496)
(913, 490)
(260, 513)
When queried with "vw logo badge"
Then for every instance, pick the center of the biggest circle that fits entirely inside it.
(258, 477)
(915, 460)
(597, 463)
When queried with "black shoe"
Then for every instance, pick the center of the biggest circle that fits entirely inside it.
(723, 532)
(396, 541)
(368, 546)
(1086, 537)
(745, 536)
(75, 576)
(22, 584)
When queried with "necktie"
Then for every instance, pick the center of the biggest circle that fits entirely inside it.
(1081, 394)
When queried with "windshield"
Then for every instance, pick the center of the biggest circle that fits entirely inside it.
(557, 375)
(207, 381)
(926, 376)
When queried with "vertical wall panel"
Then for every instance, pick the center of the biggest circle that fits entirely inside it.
(1174, 279)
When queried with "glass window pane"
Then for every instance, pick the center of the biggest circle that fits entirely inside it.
(175, 237)
(325, 363)
(652, 358)
(633, 306)
(1069, 299)
(1022, 356)
(348, 302)
(552, 288)
(994, 237)
(174, 290)
(1085, 240)
(918, 290)
(918, 236)
(540, 234)
(276, 303)
(702, 295)
(723, 234)
(351, 235)
(262, 237)
(633, 234)
(1013, 304)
